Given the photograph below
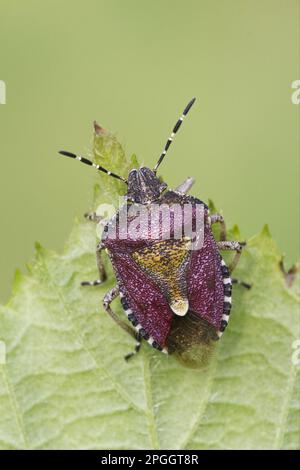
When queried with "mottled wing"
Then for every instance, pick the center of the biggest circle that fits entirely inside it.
(147, 306)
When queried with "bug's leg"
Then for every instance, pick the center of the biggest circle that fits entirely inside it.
(100, 266)
(232, 246)
(186, 185)
(241, 283)
(136, 348)
(93, 217)
(107, 300)
(218, 218)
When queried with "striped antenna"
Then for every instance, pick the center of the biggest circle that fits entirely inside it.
(90, 163)
(175, 130)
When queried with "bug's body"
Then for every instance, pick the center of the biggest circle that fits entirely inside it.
(149, 288)
(178, 299)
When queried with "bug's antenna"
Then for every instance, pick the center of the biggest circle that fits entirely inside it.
(176, 127)
(89, 162)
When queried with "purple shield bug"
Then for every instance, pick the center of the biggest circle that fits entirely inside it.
(174, 286)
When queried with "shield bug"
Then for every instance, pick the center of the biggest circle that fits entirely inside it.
(173, 284)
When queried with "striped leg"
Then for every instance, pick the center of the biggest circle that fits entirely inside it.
(218, 218)
(100, 266)
(136, 348)
(93, 217)
(241, 283)
(185, 186)
(232, 246)
(108, 298)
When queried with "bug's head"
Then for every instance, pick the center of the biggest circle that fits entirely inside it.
(144, 186)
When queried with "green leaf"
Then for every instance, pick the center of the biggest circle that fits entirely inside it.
(65, 384)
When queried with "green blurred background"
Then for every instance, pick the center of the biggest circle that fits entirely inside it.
(133, 65)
